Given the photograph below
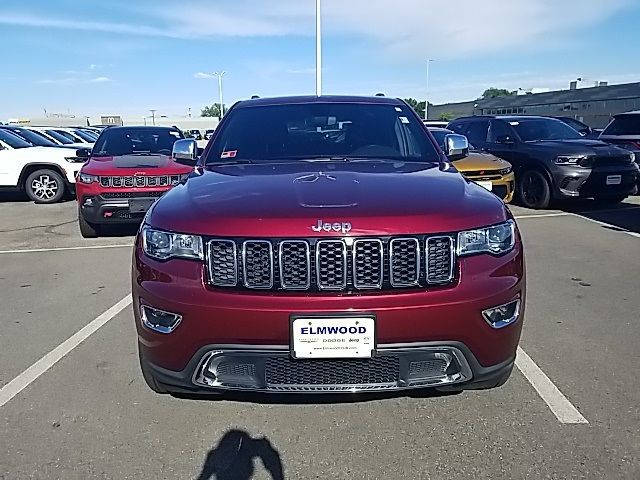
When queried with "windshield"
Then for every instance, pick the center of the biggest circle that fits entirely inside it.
(86, 136)
(34, 138)
(13, 140)
(323, 131)
(624, 125)
(535, 129)
(60, 138)
(69, 136)
(119, 141)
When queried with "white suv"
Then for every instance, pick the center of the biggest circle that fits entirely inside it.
(45, 174)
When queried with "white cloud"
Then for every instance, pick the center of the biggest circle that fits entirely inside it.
(74, 80)
(405, 28)
(203, 75)
(100, 80)
(93, 66)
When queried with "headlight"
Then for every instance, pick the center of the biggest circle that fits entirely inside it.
(632, 157)
(570, 159)
(505, 171)
(86, 178)
(165, 245)
(497, 239)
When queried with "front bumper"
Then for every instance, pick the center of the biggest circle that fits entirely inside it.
(574, 181)
(217, 368)
(503, 187)
(251, 324)
(116, 208)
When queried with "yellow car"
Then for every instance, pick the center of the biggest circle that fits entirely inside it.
(488, 171)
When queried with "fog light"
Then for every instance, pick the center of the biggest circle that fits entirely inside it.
(503, 315)
(159, 320)
(88, 202)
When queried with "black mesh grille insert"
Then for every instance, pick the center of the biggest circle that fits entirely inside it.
(368, 261)
(428, 368)
(295, 268)
(258, 264)
(439, 259)
(377, 370)
(223, 268)
(405, 262)
(131, 194)
(236, 369)
(331, 264)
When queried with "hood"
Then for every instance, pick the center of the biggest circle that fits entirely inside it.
(287, 200)
(581, 146)
(135, 164)
(480, 161)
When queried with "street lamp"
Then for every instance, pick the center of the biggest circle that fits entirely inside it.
(318, 48)
(220, 75)
(426, 103)
(153, 115)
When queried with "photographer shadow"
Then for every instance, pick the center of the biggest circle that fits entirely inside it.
(233, 458)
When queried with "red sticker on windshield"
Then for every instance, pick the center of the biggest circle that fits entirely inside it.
(229, 154)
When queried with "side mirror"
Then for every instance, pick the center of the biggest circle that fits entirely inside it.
(456, 147)
(83, 153)
(505, 139)
(185, 152)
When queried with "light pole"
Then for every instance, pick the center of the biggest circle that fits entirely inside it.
(153, 115)
(426, 103)
(318, 48)
(220, 75)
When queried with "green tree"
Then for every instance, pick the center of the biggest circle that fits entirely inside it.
(447, 116)
(417, 106)
(212, 110)
(497, 92)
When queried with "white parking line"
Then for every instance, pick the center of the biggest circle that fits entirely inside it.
(562, 408)
(541, 215)
(61, 249)
(31, 374)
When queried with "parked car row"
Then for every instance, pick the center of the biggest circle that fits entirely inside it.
(551, 160)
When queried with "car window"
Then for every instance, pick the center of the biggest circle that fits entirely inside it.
(575, 124)
(34, 138)
(318, 130)
(85, 136)
(624, 125)
(499, 131)
(477, 132)
(458, 127)
(136, 140)
(536, 129)
(61, 138)
(13, 140)
(67, 135)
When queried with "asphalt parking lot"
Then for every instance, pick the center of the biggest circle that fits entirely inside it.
(570, 410)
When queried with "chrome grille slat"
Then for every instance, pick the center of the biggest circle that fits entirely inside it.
(139, 181)
(223, 263)
(368, 264)
(295, 264)
(257, 264)
(404, 262)
(331, 264)
(439, 259)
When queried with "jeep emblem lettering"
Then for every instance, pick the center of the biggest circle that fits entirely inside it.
(339, 227)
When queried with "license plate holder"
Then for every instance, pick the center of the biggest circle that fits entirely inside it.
(614, 179)
(332, 336)
(487, 185)
(140, 205)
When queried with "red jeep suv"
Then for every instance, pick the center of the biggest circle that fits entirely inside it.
(128, 169)
(326, 244)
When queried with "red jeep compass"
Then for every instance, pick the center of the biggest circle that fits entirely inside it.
(326, 244)
(128, 169)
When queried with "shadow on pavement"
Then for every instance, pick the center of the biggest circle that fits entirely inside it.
(10, 197)
(624, 216)
(233, 457)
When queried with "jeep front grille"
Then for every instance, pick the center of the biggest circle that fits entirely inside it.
(140, 181)
(337, 264)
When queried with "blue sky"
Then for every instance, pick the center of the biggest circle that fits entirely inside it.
(125, 57)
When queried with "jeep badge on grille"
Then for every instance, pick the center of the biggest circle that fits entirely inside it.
(344, 227)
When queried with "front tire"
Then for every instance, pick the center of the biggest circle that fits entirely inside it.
(87, 229)
(45, 186)
(534, 190)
